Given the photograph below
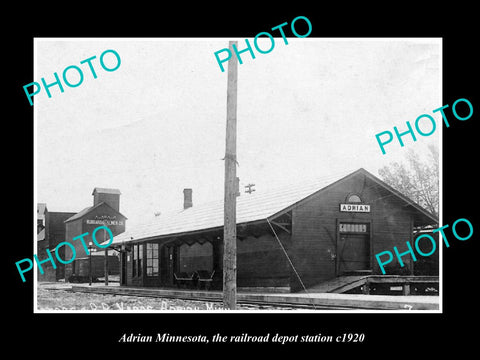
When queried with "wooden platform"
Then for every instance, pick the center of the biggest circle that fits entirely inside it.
(343, 284)
(339, 284)
(315, 301)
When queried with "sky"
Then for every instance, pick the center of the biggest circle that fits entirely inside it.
(156, 125)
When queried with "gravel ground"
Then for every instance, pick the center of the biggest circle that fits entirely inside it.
(57, 297)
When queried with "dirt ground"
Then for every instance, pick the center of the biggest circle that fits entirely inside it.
(58, 297)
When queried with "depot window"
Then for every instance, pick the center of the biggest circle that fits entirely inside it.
(353, 228)
(152, 259)
(137, 260)
(353, 198)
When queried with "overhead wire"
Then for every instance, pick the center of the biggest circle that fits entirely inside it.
(291, 263)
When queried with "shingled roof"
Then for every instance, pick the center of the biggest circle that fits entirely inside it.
(85, 211)
(250, 208)
(106, 191)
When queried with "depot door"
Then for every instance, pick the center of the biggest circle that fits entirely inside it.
(123, 264)
(353, 249)
(168, 264)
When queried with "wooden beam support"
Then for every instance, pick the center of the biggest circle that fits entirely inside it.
(282, 226)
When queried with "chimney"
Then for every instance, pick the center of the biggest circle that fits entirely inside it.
(108, 196)
(187, 198)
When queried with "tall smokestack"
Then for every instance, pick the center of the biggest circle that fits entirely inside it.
(187, 198)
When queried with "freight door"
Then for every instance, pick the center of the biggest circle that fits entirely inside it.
(353, 248)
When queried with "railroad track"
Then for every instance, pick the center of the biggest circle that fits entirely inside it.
(264, 301)
(212, 297)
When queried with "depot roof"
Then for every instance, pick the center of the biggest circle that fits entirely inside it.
(250, 208)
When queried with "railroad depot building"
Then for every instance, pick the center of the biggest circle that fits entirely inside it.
(329, 229)
(104, 211)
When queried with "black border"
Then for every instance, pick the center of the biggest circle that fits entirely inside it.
(396, 332)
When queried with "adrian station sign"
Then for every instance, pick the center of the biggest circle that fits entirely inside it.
(355, 208)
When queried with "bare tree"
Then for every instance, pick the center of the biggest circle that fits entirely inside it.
(417, 180)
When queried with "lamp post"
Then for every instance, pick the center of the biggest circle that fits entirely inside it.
(90, 246)
(123, 259)
(106, 254)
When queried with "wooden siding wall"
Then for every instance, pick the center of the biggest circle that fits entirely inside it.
(392, 226)
(428, 265)
(314, 235)
(82, 266)
(79, 226)
(55, 232)
(129, 276)
(261, 262)
(136, 280)
(196, 257)
(49, 273)
(73, 229)
(141, 279)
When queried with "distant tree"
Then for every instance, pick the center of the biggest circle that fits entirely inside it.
(417, 180)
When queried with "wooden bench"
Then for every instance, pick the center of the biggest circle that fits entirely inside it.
(185, 279)
(205, 278)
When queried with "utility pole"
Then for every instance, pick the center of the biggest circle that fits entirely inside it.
(230, 203)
